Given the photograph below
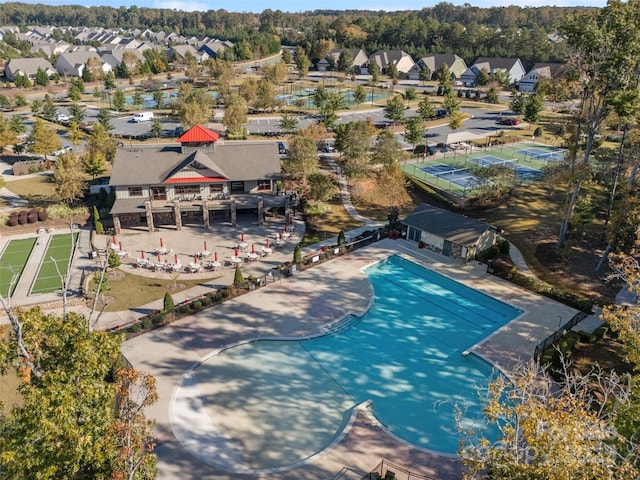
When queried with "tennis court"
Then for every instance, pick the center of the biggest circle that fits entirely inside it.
(522, 172)
(58, 252)
(12, 263)
(541, 154)
(459, 176)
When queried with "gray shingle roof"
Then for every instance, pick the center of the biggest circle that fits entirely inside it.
(448, 225)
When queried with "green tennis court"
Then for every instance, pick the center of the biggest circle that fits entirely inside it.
(58, 252)
(12, 262)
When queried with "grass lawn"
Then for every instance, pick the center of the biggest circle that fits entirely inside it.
(146, 290)
(58, 252)
(330, 224)
(13, 261)
(38, 190)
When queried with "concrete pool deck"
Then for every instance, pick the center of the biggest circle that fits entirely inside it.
(299, 306)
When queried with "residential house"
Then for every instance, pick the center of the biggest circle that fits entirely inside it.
(202, 181)
(50, 48)
(179, 53)
(72, 64)
(400, 59)
(28, 67)
(449, 234)
(215, 48)
(433, 63)
(115, 57)
(539, 71)
(358, 59)
(513, 66)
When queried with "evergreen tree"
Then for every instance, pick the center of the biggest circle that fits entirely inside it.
(167, 304)
(238, 278)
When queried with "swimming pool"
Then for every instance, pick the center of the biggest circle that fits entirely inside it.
(276, 403)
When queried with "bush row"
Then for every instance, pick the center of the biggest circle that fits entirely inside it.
(27, 216)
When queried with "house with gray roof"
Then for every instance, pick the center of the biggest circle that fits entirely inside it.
(215, 48)
(450, 234)
(434, 62)
(538, 72)
(73, 63)
(28, 67)
(358, 59)
(201, 181)
(512, 66)
(179, 53)
(384, 58)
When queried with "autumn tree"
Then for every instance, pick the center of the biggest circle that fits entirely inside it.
(248, 90)
(387, 149)
(321, 187)
(394, 110)
(7, 135)
(68, 177)
(265, 95)
(235, 114)
(356, 149)
(414, 130)
(302, 157)
(302, 61)
(194, 106)
(81, 411)
(426, 109)
(288, 123)
(553, 430)
(43, 139)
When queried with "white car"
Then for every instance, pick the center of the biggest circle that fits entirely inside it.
(63, 117)
(62, 151)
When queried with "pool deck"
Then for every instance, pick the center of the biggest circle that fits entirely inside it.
(298, 306)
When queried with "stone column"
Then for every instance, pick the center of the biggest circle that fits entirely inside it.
(260, 211)
(178, 216)
(147, 209)
(205, 214)
(116, 224)
(234, 219)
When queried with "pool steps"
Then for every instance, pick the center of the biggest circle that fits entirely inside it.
(341, 325)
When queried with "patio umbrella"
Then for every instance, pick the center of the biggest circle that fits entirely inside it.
(286, 228)
(120, 245)
(159, 258)
(142, 253)
(113, 239)
(280, 235)
(290, 220)
(195, 258)
(175, 257)
(267, 243)
(242, 236)
(205, 246)
(235, 251)
(253, 248)
(215, 256)
(161, 244)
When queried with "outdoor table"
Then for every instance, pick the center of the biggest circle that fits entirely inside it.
(162, 250)
(214, 265)
(235, 259)
(267, 250)
(280, 242)
(114, 246)
(285, 235)
(252, 256)
(205, 254)
(176, 266)
(194, 267)
(243, 245)
(122, 253)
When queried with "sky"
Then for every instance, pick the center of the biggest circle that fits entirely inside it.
(297, 6)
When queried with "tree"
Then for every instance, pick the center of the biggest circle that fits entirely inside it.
(235, 114)
(194, 106)
(138, 99)
(394, 110)
(167, 304)
(42, 79)
(276, 73)
(77, 113)
(265, 95)
(303, 157)
(321, 187)
(451, 102)
(158, 97)
(7, 135)
(297, 254)
(455, 120)
(533, 107)
(17, 125)
(75, 134)
(248, 90)
(492, 96)
(426, 109)
(286, 56)
(444, 79)
(374, 71)
(101, 143)
(93, 162)
(68, 177)
(43, 139)
(410, 94)
(425, 74)
(69, 423)
(288, 123)
(387, 149)
(119, 100)
(48, 110)
(104, 118)
(320, 96)
(302, 61)
(414, 130)
(356, 149)
(393, 182)
(238, 278)
(109, 81)
(341, 239)
(156, 128)
(556, 431)
(329, 109)
(518, 102)
(360, 95)
(345, 61)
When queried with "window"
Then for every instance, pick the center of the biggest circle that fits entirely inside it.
(158, 193)
(216, 187)
(264, 185)
(237, 187)
(185, 189)
(135, 191)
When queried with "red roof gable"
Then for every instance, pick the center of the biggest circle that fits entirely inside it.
(195, 180)
(198, 134)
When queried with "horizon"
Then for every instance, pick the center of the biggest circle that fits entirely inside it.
(288, 6)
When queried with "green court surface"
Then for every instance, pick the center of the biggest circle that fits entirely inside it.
(526, 156)
(58, 253)
(12, 263)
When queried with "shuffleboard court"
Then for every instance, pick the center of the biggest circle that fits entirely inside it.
(14, 258)
(58, 253)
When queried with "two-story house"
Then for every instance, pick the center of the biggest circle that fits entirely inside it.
(199, 182)
(434, 62)
(358, 59)
(512, 66)
(539, 71)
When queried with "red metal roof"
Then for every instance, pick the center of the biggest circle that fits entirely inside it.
(195, 180)
(198, 133)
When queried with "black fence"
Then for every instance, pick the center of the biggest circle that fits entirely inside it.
(558, 334)
(391, 471)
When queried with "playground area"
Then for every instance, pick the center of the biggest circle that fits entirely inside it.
(457, 172)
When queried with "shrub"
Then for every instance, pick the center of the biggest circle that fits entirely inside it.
(297, 255)
(135, 328)
(206, 301)
(32, 216)
(197, 305)
(492, 251)
(13, 219)
(61, 211)
(185, 309)
(99, 227)
(238, 278)
(538, 132)
(42, 215)
(168, 305)
(158, 319)
(224, 293)
(22, 217)
(504, 246)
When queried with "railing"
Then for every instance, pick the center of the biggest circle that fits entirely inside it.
(391, 471)
(558, 334)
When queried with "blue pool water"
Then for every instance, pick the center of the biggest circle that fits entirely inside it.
(405, 354)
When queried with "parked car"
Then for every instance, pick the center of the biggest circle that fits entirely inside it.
(62, 117)
(282, 149)
(511, 121)
(62, 151)
(325, 147)
(142, 117)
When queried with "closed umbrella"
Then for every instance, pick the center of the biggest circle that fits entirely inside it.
(253, 248)
(235, 251)
(159, 258)
(120, 245)
(161, 244)
(175, 257)
(142, 253)
(215, 256)
(113, 239)
(242, 236)
(205, 246)
(267, 243)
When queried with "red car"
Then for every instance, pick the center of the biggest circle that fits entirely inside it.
(509, 121)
